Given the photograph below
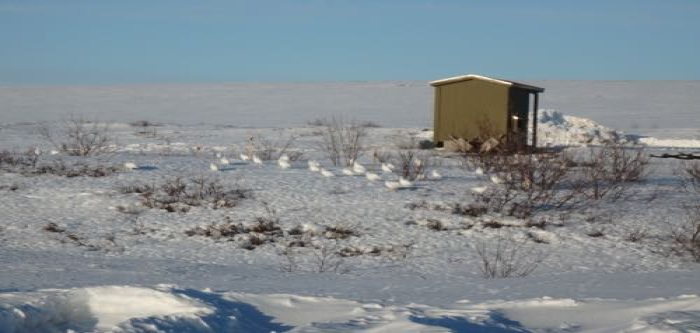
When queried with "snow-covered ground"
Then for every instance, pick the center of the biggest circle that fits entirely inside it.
(84, 254)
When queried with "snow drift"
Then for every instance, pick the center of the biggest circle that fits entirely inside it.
(169, 309)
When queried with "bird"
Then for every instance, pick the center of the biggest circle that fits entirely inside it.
(392, 185)
(435, 175)
(224, 161)
(284, 164)
(387, 167)
(314, 166)
(213, 167)
(244, 157)
(284, 157)
(372, 176)
(256, 159)
(496, 180)
(358, 168)
(479, 171)
(130, 165)
(404, 182)
(326, 173)
(53, 152)
(218, 155)
(479, 189)
(348, 172)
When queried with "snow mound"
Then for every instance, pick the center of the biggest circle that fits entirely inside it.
(128, 309)
(557, 129)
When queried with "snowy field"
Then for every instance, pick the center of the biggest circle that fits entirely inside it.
(287, 249)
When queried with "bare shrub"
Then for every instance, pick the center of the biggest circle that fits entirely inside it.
(318, 122)
(178, 194)
(610, 171)
(381, 155)
(636, 234)
(229, 229)
(690, 177)
(53, 227)
(370, 124)
(327, 257)
(268, 149)
(107, 243)
(145, 128)
(507, 257)
(12, 161)
(528, 183)
(686, 237)
(342, 141)
(77, 136)
(412, 164)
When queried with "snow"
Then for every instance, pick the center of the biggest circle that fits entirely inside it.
(118, 266)
(171, 309)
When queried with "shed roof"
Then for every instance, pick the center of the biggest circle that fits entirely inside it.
(487, 79)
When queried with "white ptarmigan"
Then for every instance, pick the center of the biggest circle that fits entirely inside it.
(284, 164)
(314, 166)
(479, 171)
(244, 157)
(284, 157)
(224, 161)
(435, 175)
(405, 182)
(358, 168)
(387, 167)
(392, 185)
(257, 159)
(213, 167)
(372, 176)
(496, 180)
(130, 165)
(479, 189)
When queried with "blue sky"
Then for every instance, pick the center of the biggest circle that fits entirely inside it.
(177, 41)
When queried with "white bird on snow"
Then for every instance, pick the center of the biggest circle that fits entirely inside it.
(224, 161)
(479, 189)
(387, 167)
(130, 165)
(392, 185)
(314, 166)
(348, 172)
(496, 180)
(284, 157)
(358, 168)
(256, 159)
(284, 164)
(405, 182)
(326, 173)
(213, 167)
(479, 171)
(244, 157)
(435, 175)
(372, 176)
(218, 155)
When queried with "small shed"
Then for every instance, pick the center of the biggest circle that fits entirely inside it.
(474, 106)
